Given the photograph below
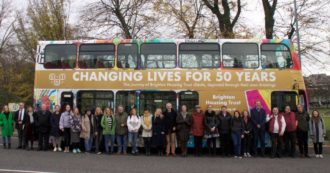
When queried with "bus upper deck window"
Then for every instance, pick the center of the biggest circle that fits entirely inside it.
(240, 55)
(158, 55)
(275, 55)
(97, 56)
(127, 55)
(59, 56)
(199, 55)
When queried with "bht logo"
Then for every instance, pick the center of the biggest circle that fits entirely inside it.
(57, 80)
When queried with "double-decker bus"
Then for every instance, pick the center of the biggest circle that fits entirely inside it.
(148, 73)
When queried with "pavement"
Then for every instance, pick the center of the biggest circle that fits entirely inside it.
(14, 160)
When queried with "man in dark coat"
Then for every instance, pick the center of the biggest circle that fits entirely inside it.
(21, 120)
(258, 118)
(44, 124)
(224, 129)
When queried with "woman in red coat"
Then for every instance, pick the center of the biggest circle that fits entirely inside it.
(197, 129)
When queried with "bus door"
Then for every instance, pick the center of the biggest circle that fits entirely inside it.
(92, 99)
(303, 99)
(156, 99)
(281, 99)
(188, 98)
(127, 99)
(66, 99)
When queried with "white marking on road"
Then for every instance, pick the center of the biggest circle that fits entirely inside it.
(23, 171)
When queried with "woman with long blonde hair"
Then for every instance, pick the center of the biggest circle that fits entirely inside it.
(146, 122)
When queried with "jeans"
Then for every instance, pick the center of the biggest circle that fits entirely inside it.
(318, 147)
(88, 144)
(43, 140)
(259, 135)
(236, 137)
(147, 144)
(122, 143)
(303, 142)
(6, 140)
(108, 138)
(198, 145)
(67, 135)
(225, 144)
(132, 137)
(290, 143)
(276, 144)
(246, 143)
(212, 146)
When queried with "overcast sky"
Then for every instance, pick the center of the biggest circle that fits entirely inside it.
(253, 12)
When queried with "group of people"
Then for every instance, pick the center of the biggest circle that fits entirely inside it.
(240, 134)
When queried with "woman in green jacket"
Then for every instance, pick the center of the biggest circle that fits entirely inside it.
(7, 126)
(108, 124)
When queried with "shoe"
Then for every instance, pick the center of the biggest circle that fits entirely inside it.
(248, 155)
(245, 154)
(307, 156)
(74, 151)
(321, 156)
(59, 149)
(317, 156)
(55, 149)
(78, 150)
(98, 153)
(9, 146)
(4, 146)
(240, 157)
(235, 157)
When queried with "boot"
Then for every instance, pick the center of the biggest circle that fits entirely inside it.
(4, 146)
(9, 146)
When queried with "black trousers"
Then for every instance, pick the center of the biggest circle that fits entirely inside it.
(212, 146)
(198, 145)
(276, 145)
(318, 148)
(43, 140)
(302, 137)
(147, 144)
(290, 143)
(225, 140)
(67, 136)
(246, 143)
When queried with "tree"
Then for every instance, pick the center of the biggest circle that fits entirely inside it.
(125, 18)
(313, 18)
(186, 13)
(45, 20)
(6, 33)
(269, 11)
(225, 21)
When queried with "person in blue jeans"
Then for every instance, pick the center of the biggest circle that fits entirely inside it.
(108, 124)
(87, 130)
(258, 118)
(133, 124)
(121, 130)
(237, 133)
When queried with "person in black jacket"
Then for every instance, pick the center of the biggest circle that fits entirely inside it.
(170, 129)
(247, 132)
(224, 129)
(237, 133)
(158, 131)
(31, 133)
(211, 122)
(97, 129)
(55, 132)
(21, 120)
(43, 124)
